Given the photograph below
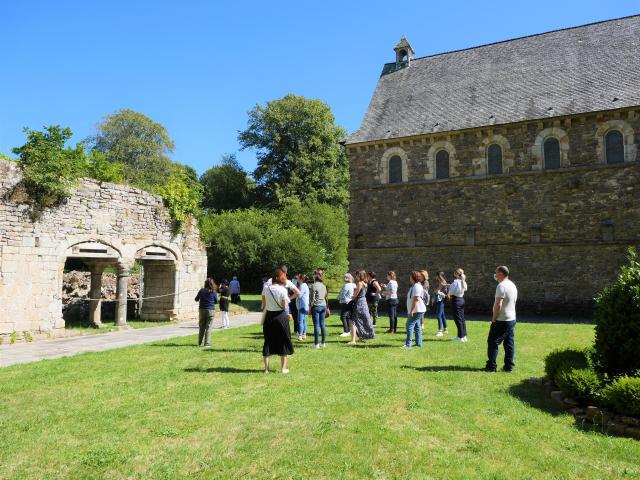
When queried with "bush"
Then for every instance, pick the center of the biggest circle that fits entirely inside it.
(618, 322)
(560, 360)
(582, 384)
(624, 395)
(181, 194)
(49, 168)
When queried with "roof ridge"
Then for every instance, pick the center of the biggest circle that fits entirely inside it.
(522, 37)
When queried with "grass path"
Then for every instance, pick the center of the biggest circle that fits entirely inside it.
(168, 410)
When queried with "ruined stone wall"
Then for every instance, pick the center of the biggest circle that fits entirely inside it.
(564, 233)
(126, 219)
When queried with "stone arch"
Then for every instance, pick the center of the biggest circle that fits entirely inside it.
(384, 164)
(630, 148)
(480, 163)
(160, 281)
(536, 150)
(431, 159)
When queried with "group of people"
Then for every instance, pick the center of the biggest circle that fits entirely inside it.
(284, 300)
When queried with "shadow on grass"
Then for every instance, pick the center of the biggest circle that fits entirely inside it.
(534, 396)
(445, 368)
(222, 370)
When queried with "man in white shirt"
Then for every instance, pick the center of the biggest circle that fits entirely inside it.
(503, 321)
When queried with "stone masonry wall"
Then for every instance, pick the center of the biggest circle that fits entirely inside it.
(126, 219)
(564, 233)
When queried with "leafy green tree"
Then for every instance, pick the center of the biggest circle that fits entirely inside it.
(182, 193)
(251, 243)
(50, 169)
(98, 167)
(298, 151)
(227, 186)
(138, 143)
(326, 225)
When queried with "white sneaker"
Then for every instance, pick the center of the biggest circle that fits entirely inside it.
(406, 347)
(323, 345)
(457, 339)
(317, 346)
(464, 339)
(439, 334)
(285, 370)
(266, 371)
(345, 334)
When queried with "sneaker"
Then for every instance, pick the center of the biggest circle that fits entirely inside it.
(208, 347)
(285, 370)
(446, 331)
(490, 369)
(316, 346)
(507, 369)
(323, 345)
(439, 334)
(299, 338)
(266, 371)
(464, 339)
(456, 339)
(389, 331)
(406, 347)
(345, 334)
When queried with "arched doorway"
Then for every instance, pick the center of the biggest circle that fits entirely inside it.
(159, 283)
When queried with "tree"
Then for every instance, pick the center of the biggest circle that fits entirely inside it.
(49, 168)
(138, 143)
(250, 243)
(227, 186)
(298, 151)
(182, 193)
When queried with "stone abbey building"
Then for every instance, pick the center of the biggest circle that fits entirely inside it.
(522, 152)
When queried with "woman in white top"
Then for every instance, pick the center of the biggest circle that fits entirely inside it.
(456, 294)
(345, 298)
(415, 309)
(277, 335)
(391, 295)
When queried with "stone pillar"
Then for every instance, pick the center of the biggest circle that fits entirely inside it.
(95, 295)
(121, 294)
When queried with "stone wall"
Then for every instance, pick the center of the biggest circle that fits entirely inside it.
(126, 221)
(564, 233)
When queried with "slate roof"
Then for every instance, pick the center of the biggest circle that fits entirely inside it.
(571, 71)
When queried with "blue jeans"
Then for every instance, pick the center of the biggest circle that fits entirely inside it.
(413, 322)
(302, 321)
(501, 332)
(440, 315)
(319, 314)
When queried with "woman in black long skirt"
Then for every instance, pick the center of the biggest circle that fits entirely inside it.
(277, 335)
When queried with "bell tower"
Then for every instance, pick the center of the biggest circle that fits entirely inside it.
(404, 53)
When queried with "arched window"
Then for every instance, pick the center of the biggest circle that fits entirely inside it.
(395, 169)
(614, 147)
(442, 164)
(494, 159)
(551, 151)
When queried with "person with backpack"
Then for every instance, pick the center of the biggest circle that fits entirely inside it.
(345, 297)
(373, 297)
(207, 298)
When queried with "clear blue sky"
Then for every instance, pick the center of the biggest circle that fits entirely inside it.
(197, 67)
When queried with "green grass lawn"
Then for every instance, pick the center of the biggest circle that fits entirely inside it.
(169, 410)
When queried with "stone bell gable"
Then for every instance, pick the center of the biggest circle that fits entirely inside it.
(523, 152)
(100, 224)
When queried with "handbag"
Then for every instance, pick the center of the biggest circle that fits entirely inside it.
(264, 312)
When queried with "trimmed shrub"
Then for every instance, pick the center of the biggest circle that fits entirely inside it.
(559, 360)
(584, 385)
(624, 395)
(618, 322)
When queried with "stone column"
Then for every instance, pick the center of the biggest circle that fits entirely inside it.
(124, 271)
(95, 295)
